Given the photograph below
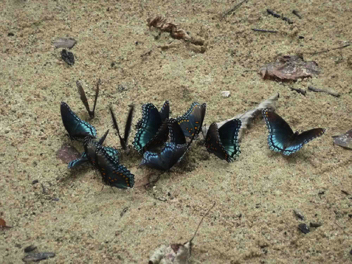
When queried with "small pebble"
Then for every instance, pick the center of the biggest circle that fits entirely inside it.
(225, 94)
(304, 228)
(298, 214)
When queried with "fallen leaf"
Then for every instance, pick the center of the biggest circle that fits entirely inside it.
(163, 25)
(67, 153)
(344, 140)
(289, 68)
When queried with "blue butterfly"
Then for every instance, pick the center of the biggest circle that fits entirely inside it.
(76, 128)
(281, 137)
(173, 151)
(92, 147)
(191, 122)
(223, 142)
(114, 174)
(152, 128)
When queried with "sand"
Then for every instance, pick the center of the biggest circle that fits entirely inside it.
(68, 212)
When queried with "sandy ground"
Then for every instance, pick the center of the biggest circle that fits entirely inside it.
(253, 220)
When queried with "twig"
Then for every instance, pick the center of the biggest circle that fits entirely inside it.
(313, 89)
(328, 50)
(264, 30)
(295, 12)
(271, 12)
(248, 117)
(229, 12)
(301, 91)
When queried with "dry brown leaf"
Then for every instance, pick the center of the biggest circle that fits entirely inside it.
(289, 68)
(163, 25)
(344, 140)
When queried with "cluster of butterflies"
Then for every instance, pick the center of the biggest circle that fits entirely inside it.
(163, 141)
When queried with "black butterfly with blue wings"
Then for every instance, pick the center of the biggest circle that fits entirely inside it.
(152, 128)
(281, 137)
(192, 120)
(106, 160)
(172, 152)
(223, 142)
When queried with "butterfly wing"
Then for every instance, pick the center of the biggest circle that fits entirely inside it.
(76, 128)
(176, 133)
(192, 121)
(168, 157)
(229, 138)
(299, 140)
(280, 133)
(223, 142)
(165, 111)
(78, 162)
(113, 174)
(151, 130)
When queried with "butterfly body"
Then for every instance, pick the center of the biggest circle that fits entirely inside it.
(223, 142)
(281, 137)
(152, 128)
(76, 128)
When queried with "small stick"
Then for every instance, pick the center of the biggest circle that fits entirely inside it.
(229, 12)
(313, 89)
(295, 12)
(264, 30)
(327, 50)
(301, 91)
(271, 12)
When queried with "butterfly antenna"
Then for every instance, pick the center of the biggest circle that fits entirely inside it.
(83, 97)
(96, 99)
(195, 233)
(117, 128)
(128, 126)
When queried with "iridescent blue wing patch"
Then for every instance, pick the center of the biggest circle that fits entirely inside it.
(223, 142)
(191, 122)
(169, 156)
(113, 174)
(152, 129)
(78, 162)
(76, 128)
(281, 137)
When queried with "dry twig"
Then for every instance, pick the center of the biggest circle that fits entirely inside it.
(248, 117)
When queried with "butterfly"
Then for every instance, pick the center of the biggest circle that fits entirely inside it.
(281, 137)
(123, 140)
(172, 152)
(152, 128)
(84, 98)
(223, 142)
(76, 128)
(90, 147)
(114, 174)
(192, 121)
